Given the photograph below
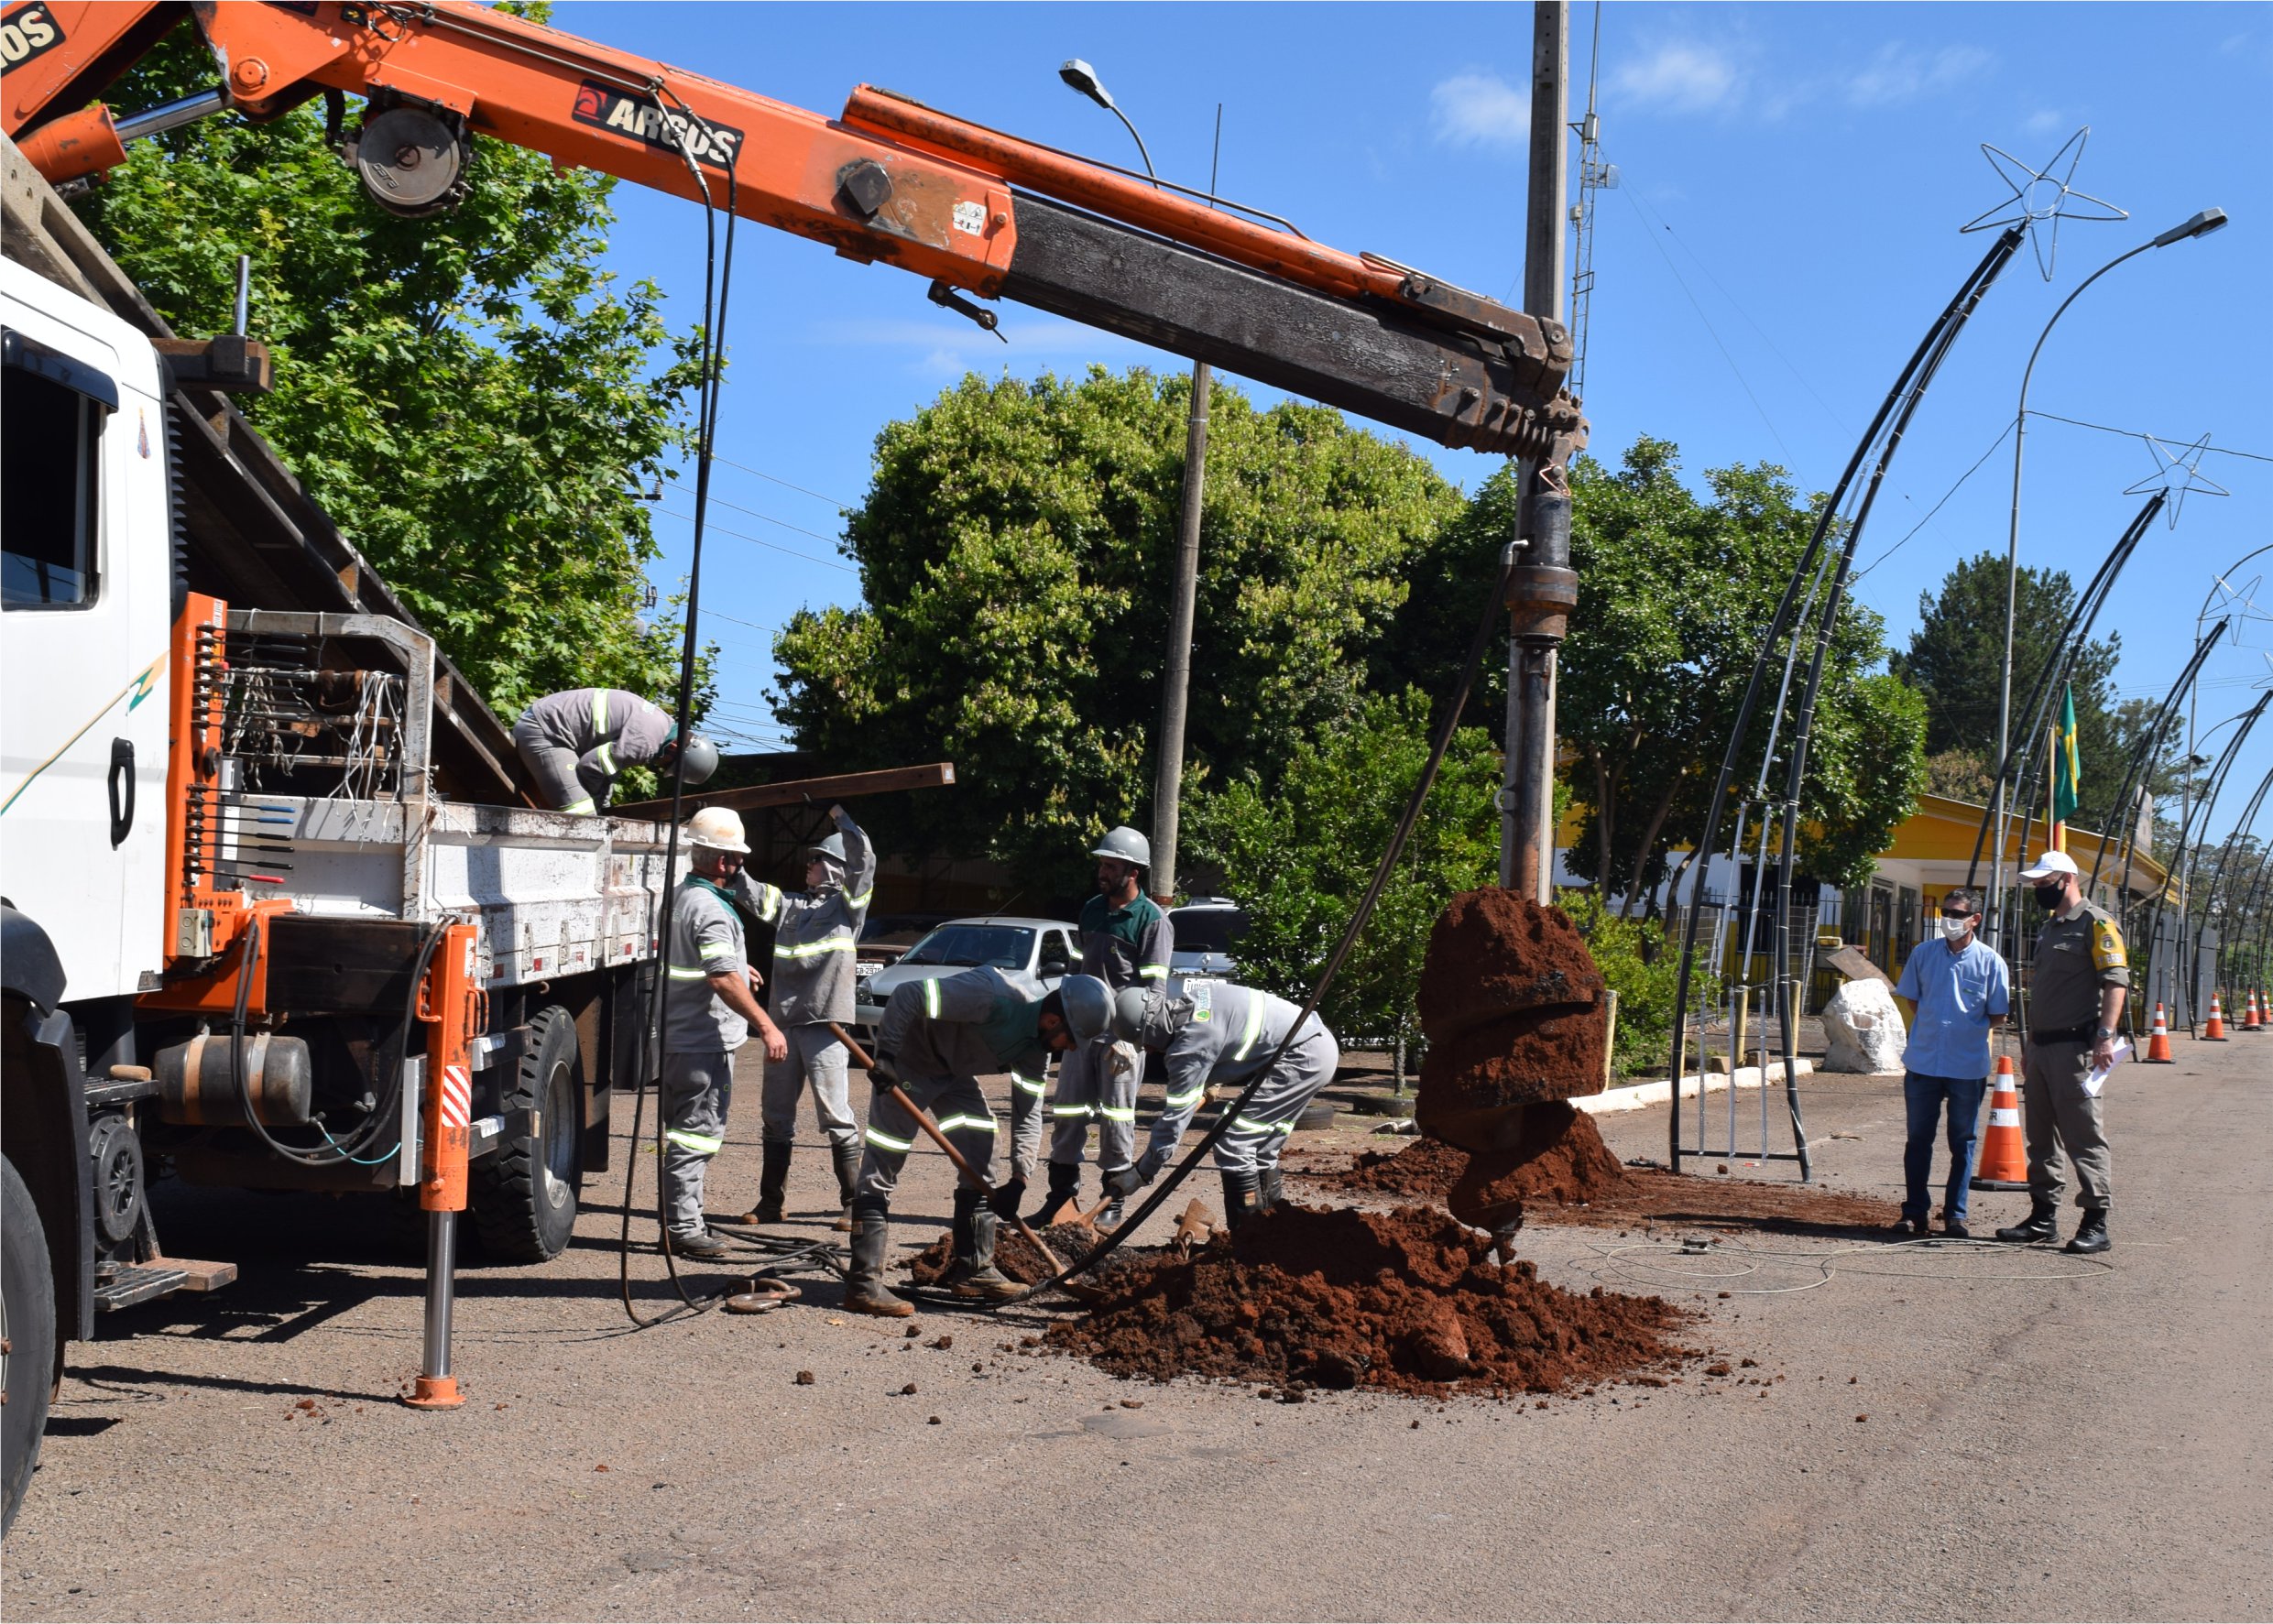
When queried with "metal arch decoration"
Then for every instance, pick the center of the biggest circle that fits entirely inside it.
(2042, 197)
(2177, 473)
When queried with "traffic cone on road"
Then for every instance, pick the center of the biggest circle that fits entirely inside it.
(2213, 1030)
(2158, 1040)
(2250, 1023)
(2003, 1161)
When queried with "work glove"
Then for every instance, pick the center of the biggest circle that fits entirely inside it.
(1005, 1199)
(1122, 1059)
(1148, 1165)
(1122, 1183)
(882, 1073)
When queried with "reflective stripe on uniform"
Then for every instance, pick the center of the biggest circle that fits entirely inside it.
(712, 950)
(1118, 1113)
(1254, 1025)
(1024, 1087)
(1249, 1125)
(884, 1142)
(949, 1123)
(808, 950)
(931, 998)
(702, 1144)
(859, 902)
(608, 760)
(583, 806)
(1070, 1110)
(1177, 1102)
(688, 973)
(599, 713)
(1152, 972)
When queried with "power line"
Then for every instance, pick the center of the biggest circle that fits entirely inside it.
(776, 479)
(2218, 451)
(761, 541)
(2002, 435)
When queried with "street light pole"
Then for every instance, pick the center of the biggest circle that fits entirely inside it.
(2200, 224)
(1176, 680)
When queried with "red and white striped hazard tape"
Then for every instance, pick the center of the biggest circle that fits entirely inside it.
(457, 1096)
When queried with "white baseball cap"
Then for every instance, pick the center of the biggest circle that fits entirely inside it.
(2050, 863)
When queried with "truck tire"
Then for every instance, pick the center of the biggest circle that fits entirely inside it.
(524, 1197)
(28, 1366)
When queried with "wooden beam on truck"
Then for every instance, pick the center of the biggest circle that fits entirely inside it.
(843, 786)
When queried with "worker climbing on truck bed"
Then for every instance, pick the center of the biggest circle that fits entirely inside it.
(935, 1039)
(815, 936)
(1216, 1032)
(709, 1008)
(575, 743)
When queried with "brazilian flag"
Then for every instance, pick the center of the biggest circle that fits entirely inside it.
(2067, 762)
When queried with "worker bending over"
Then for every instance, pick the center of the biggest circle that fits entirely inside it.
(710, 1003)
(575, 742)
(814, 935)
(935, 1038)
(1209, 1033)
(1126, 941)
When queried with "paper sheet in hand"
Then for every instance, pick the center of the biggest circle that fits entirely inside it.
(2097, 1079)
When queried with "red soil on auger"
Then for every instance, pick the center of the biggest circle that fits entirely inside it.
(1406, 1300)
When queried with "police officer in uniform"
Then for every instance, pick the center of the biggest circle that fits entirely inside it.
(1211, 1032)
(1126, 940)
(574, 744)
(935, 1038)
(709, 1007)
(2077, 984)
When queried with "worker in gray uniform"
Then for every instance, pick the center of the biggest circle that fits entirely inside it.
(574, 744)
(709, 1006)
(1209, 1033)
(1126, 940)
(814, 935)
(935, 1038)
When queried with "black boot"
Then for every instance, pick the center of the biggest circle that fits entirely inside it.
(1064, 1180)
(772, 1179)
(972, 1274)
(1243, 1198)
(2041, 1223)
(847, 1156)
(2092, 1233)
(1268, 1186)
(865, 1292)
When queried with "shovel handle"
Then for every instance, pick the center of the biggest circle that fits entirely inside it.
(931, 1129)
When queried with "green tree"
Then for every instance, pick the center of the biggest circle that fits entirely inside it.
(472, 399)
(1675, 590)
(1955, 657)
(1299, 853)
(1631, 955)
(1015, 551)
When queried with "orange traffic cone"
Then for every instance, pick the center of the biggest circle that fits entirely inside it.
(2250, 1023)
(2003, 1161)
(2158, 1040)
(2213, 1030)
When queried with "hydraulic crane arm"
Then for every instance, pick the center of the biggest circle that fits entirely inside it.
(891, 181)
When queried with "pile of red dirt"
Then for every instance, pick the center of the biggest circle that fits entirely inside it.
(1406, 1301)
(1561, 1159)
(1513, 1004)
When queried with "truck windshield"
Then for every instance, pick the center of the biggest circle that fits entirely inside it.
(1207, 929)
(1003, 947)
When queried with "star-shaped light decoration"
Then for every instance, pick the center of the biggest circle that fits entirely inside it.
(2042, 198)
(2177, 473)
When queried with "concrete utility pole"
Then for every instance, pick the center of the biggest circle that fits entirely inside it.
(1544, 590)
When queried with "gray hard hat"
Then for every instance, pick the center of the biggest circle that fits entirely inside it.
(1148, 1017)
(700, 757)
(833, 849)
(1126, 845)
(1088, 1006)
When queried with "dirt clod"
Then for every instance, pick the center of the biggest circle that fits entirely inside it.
(804, 1378)
(1406, 1301)
(908, 1391)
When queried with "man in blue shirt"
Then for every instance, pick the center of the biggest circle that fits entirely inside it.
(1961, 992)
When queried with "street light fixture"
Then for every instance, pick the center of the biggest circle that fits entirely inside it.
(1184, 591)
(2199, 224)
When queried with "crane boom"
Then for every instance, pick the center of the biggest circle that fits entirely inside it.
(889, 180)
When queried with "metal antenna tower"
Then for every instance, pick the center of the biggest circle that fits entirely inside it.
(1593, 176)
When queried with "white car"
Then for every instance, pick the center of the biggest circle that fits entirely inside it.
(1034, 952)
(1206, 929)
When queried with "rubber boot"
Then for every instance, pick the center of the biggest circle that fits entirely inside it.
(2092, 1232)
(865, 1292)
(2041, 1223)
(1109, 1210)
(1064, 1180)
(1243, 1198)
(773, 1180)
(847, 1156)
(1269, 1184)
(972, 1274)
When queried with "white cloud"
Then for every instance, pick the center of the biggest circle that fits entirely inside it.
(1898, 74)
(1682, 78)
(2045, 121)
(1480, 110)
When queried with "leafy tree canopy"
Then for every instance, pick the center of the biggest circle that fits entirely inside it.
(1016, 549)
(472, 398)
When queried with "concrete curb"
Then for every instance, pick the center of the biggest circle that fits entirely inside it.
(1634, 1096)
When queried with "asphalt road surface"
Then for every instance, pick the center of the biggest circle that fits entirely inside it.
(1929, 1431)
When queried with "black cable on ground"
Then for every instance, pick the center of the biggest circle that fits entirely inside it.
(1486, 623)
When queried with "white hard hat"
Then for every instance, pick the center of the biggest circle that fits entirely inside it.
(2050, 863)
(1148, 1017)
(1126, 845)
(1089, 1007)
(718, 828)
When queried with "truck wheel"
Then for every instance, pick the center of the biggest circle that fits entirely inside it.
(27, 1368)
(524, 1197)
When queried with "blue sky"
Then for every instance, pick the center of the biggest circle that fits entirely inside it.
(1793, 179)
